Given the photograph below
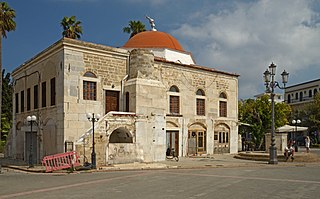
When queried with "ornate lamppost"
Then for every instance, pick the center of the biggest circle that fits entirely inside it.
(92, 118)
(32, 120)
(271, 84)
(295, 123)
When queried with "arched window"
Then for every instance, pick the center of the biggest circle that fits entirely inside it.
(223, 105)
(89, 74)
(174, 100)
(301, 96)
(310, 93)
(297, 96)
(289, 99)
(200, 102)
(200, 92)
(223, 96)
(89, 87)
(315, 91)
(174, 89)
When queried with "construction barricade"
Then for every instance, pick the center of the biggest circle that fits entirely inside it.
(61, 161)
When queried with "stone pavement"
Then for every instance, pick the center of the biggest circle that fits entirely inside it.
(242, 159)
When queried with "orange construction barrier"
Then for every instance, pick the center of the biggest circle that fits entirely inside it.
(61, 161)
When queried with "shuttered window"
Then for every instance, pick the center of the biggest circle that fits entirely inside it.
(89, 90)
(53, 91)
(35, 96)
(201, 107)
(200, 102)
(174, 104)
(223, 109)
(44, 94)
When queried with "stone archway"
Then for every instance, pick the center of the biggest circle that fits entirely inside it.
(197, 139)
(121, 135)
(121, 147)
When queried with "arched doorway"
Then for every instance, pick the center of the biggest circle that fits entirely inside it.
(197, 139)
(222, 139)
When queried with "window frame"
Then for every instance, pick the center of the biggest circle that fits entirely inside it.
(53, 91)
(36, 96)
(44, 94)
(22, 101)
(89, 93)
(223, 105)
(200, 102)
(91, 78)
(174, 100)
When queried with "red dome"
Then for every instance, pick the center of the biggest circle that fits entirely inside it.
(153, 39)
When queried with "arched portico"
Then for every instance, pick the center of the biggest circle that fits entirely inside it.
(222, 138)
(197, 139)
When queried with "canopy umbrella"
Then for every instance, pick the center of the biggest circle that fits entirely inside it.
(288, 128)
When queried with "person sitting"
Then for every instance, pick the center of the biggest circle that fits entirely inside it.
(289, 151)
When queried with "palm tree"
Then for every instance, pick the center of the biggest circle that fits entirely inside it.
(134, 28)
(71, 27)
(7, 24)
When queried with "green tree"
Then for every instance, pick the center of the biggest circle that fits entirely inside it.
(7, 24)
(312, 114)
(257, 113)
(71, 27)
(6, 116)
(134, 28)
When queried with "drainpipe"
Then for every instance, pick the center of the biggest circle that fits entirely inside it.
(122, 91)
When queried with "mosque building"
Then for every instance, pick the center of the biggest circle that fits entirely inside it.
(147, 97)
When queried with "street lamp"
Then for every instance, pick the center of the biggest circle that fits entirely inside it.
(31, 119)
(295, 123)
(271, 84)
(92, 118)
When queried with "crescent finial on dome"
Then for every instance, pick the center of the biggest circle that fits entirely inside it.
(151, 21)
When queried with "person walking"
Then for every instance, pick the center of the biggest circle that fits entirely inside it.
(307, 141)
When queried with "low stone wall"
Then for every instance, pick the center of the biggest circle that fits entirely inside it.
(259, 156)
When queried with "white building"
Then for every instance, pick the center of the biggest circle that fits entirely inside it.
(150, 93)
(297, 96)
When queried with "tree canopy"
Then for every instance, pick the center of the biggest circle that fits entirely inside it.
(311, 114)
(71, 27)
(7, 24)
(6, 116)
(257, 113)
(134, 28)
(7, 16)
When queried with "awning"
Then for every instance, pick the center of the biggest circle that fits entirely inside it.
(288, 128)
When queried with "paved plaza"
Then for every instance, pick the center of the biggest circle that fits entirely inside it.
(268, 181)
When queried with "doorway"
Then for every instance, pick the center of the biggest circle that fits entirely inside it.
(112, 101)
(222, 139)
(172, 142)
(197, 142)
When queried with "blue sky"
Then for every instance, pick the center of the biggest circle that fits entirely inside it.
(238, 36)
